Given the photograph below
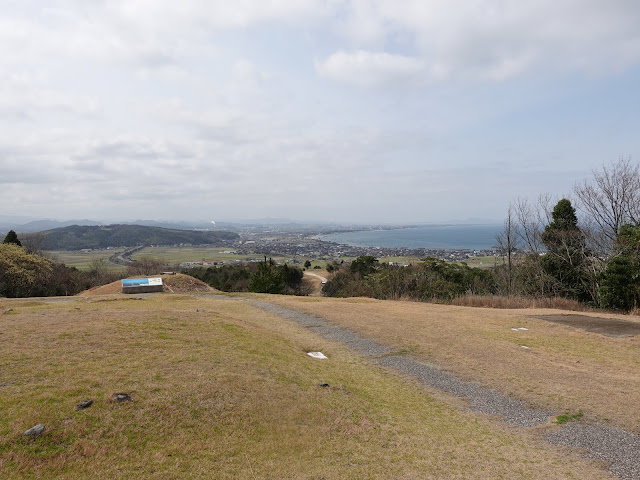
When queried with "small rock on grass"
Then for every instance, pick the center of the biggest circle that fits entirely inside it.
(34, 431)
(121, 397)
(84, 404)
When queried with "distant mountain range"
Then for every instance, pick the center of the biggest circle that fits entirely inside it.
(21, 225)
(29, 225)
(77, 237)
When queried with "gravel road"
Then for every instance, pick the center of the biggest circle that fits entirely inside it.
(620, 449)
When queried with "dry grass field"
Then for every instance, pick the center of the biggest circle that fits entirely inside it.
(175, 255)
(82, 260)
(223, 390)
(563, 368)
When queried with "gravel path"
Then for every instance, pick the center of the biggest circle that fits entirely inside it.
(620, 449)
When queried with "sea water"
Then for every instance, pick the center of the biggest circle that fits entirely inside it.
(469, 237)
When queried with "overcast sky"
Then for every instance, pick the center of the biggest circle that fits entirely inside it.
(375, 111)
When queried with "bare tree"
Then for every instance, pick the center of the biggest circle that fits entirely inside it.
(99, 271)
(532, 218)
(507, 241)
(146, 266)
(611, 199)
(33, 242)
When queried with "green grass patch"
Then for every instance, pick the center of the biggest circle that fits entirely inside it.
(401, 260)
(568, 417)
(483, 262)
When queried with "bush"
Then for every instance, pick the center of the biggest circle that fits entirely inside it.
(262, 277)
(22, 274)
(619, 286)
(431, 279)
(146, 266)
(227, 278)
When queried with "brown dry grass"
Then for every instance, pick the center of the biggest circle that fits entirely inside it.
(499, 301)
(564, 368)
(223, 390)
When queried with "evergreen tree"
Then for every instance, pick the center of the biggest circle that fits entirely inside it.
(363, 265)
(12, 237)
(619, 287)
(268, 278)
(566, 259)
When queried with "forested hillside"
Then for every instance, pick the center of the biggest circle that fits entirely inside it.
(77, 237)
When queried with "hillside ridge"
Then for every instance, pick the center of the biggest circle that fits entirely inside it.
(77, 237)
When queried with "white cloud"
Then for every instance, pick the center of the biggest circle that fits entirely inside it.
(218, 14)
(370, 68)
(499, 40)
(201, 102)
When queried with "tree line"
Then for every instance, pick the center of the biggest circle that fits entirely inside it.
(76, 237)
(26, 271)
(429, 280)
(584, 247)
(259, 277)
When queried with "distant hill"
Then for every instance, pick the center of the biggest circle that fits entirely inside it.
(40, 225)
(25, 225)
(76, 237)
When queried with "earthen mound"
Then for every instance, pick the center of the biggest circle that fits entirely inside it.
(177, 283)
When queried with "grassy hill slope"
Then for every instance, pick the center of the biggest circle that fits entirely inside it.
(554, 366)
(77, 237)
(223, 390)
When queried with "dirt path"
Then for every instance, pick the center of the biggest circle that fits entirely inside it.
(322, 279)
(618, 448)
(317, 280)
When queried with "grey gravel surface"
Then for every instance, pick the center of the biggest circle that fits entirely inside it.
(619, 449)
(302, 318)
(481, 399)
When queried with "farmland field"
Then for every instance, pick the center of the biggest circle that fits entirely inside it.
(175, 255)
(82, 260)
(483, 262)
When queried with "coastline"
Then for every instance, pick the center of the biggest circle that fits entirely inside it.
(436, 236)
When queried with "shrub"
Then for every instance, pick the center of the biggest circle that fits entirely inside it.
(22, 274)
(618, 289)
